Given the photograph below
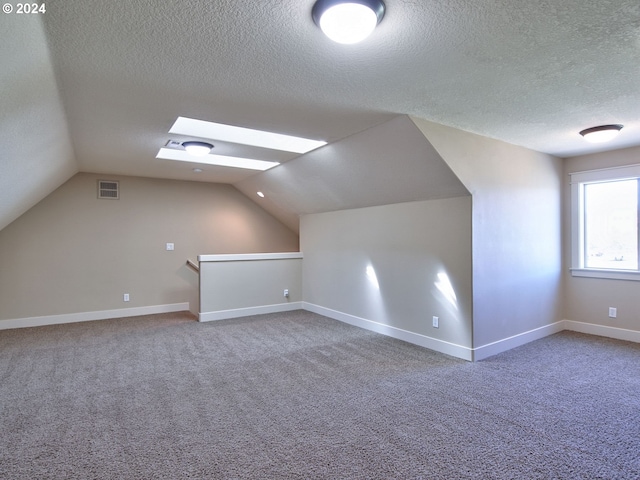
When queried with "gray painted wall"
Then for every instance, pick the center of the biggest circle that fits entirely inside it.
(242, 285)
(382, 264)
(74, 253)
(588, 299)
(517, 245)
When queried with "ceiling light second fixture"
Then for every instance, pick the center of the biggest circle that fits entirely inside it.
(348, 21)
(198, 149)
(601, 134)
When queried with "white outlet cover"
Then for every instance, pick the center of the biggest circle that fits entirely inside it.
(170, 246)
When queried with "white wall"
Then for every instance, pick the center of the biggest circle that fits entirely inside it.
(517, 254)
(588, 299)
(381, 264)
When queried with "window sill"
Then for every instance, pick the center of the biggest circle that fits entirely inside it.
(609, 274)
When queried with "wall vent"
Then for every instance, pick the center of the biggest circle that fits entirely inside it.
(108, 189)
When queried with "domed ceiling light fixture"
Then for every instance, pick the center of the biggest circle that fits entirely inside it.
(197, 149)
(347, 21)
(601, 134)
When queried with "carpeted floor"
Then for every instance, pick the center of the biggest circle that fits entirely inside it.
(297, 395)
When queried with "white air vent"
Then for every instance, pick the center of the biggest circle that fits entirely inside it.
(108, 189)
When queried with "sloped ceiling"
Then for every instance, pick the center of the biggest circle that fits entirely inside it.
(386, 164)
(528, 73)
(35, 149)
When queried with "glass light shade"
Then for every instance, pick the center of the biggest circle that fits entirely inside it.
(197, 149)
(602, 134)
(348, 23)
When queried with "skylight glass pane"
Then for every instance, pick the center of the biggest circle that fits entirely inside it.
(611, 225)
(245, 136)
(221, 160)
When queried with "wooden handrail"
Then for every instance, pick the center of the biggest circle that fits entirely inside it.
(193, 266)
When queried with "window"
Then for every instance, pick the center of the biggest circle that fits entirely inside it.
(605, 238)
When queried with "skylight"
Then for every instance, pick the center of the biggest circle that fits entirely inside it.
(221, 160)
(245, 136)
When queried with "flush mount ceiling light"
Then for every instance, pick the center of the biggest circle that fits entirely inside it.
(601, 134)
(198, 149)
(347, 21)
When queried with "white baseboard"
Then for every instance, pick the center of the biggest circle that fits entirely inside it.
(602, 330)
(90, 316)
(417, 339)
(490, 349)
(245, 312)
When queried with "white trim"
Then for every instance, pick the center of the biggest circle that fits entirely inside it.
(245, 312)
(603, 331)
(459, 351)
(578, 180)
(441, 346)
(90, 316)
(605, 174)
(632, 275)
(604, 273)
(248, 256)
(499, 346)
(577, 226)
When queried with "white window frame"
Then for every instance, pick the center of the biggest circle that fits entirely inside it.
(578, 180)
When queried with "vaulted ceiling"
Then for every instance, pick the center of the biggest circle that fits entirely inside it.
(95, 86)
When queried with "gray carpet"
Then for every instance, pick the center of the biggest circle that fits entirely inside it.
(297, 395)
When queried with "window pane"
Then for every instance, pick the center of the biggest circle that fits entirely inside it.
(611, 225)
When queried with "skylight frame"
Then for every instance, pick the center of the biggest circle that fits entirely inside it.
(218, 160)
(244, 136)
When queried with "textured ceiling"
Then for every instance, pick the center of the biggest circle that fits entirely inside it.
(528, 73)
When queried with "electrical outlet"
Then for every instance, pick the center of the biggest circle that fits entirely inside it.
(170, 246)
(436, 322)
(126, 297)
(613, 312)
(286, 293)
